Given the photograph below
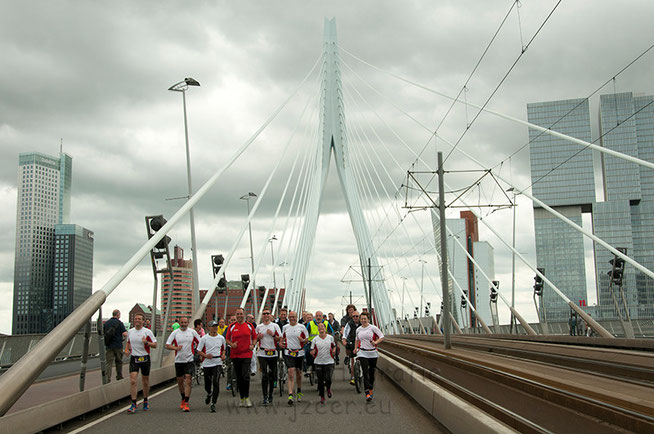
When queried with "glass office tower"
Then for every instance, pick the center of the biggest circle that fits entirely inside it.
(73, 269)
(624, 219)
(563, 178)
(627, 218)
(43, 201)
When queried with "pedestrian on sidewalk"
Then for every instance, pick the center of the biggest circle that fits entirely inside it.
(114, 332)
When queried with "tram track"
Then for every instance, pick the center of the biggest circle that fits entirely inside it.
(521, 394)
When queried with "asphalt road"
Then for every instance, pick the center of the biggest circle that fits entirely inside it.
(390, 411)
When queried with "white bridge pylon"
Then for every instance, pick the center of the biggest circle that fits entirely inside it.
(333, 126)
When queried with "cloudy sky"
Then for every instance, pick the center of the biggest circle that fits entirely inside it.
(96, 75)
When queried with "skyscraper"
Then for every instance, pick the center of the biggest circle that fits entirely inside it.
(43, 201)
(626, 219)
(463, 270)
(562, 177)
(181, 287)
(73, 269)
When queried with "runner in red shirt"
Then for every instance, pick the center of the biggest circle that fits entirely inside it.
(241, 338)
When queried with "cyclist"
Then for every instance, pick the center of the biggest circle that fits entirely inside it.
(349, 338)
(322, 349)
(268, 334)
(240, 336)
(139, 342)
(294, 336)
(184, 341)
(336, 326)
(212, 348)
(348, 315)
(368, 337)
(228, 360)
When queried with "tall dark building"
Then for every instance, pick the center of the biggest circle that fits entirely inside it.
(73, 269)
(43, 201)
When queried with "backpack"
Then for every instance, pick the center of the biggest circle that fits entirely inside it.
(109, 335)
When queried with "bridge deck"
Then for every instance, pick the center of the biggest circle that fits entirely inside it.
(391, 411)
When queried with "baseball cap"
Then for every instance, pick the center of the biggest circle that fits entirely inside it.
(212, 323)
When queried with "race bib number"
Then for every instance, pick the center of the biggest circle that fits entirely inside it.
(270, 352)
(292, 353)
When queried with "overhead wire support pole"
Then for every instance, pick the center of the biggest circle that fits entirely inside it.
(447, 327)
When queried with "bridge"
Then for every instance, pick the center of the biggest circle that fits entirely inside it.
(445, 372)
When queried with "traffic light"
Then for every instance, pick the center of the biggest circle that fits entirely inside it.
(415, 313)
(538, 282)
(427, 308)
(217, 262)
(245, 281)
(493, 295)
(464, 302)
(154, 224)
(617, 272)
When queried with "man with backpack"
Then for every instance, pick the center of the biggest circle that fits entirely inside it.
(114, 332)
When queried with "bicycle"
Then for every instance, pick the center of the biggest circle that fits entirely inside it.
(197, 373)
(358, 375)
(281, 375)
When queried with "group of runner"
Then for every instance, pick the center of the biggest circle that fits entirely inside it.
(306, 343)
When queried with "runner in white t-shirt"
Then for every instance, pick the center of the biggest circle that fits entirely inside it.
(368, 337)
(268, 334)
(212, 348)
(294, 336)
(139, 342)
(322, 350)
(184, 341)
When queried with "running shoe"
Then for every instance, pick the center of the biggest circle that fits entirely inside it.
(229, 386)
(275, 385)
(207, 400)
(270, 399)
(186, 408)
(242, 403)
(146, 406)
(322, 399)
(329, 393)
(368, 396)
(213, 408)
(352, 382)
(265, 401)
(290, 399)
(132, 408)
(298, 396)
(181, 405)
(248, 403)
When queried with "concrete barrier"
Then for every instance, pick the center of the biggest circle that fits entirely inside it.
(50, 414)
(451, 411)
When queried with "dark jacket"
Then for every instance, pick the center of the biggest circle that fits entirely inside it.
(116, 341)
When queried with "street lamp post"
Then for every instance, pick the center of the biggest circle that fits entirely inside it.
(422, 280)
(247, 197)
(403, 290)
(182, 87)
(272, 255)
(512, 190)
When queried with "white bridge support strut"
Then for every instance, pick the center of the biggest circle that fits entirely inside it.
(332, 119)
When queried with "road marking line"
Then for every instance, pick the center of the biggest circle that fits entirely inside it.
(122, 410)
